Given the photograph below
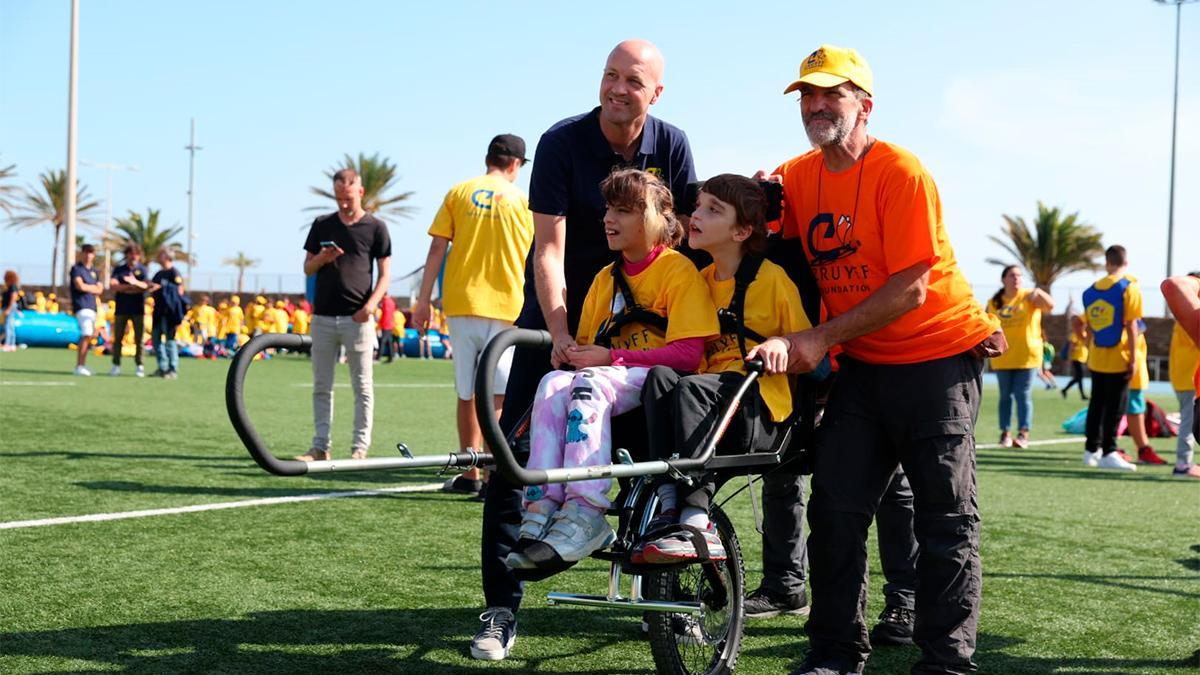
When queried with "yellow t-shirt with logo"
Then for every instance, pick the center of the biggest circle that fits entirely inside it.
(488, 221)
(1079, 349)
(772, 307)
(1021, 322)
(1183, 359)
(1113, 359)
(671, 287)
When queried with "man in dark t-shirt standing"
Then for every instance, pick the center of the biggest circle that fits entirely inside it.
(130, 281)
(570, 247)
(340, 250)
(85, 288)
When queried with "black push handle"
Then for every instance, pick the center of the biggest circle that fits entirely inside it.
(235, 402)
(485, 383)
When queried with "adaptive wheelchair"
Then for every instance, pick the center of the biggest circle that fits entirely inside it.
(693, 610)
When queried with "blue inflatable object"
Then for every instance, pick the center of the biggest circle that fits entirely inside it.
(412, 344)
(46, 330)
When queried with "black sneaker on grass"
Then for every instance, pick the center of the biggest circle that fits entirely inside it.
(462, 486)
(496, 636)
(895, 627)
(763, 604)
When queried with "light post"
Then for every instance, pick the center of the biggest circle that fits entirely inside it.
(1174, 127)
(191, 147)
(108, 219)
(69, 199)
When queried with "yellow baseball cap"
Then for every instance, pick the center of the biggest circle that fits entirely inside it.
(830, 66)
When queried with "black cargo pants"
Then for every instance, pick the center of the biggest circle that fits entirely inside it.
(919, 416)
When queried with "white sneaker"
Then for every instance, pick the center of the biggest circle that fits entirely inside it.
(115, 371)
(577, 532)
(141, 372)
(1114, 461)
(1091, 459)
(533, 526)
(82, 371)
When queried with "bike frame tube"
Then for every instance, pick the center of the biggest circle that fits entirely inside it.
(506, 461)
(235, 404)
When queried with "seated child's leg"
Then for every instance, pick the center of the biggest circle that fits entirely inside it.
(596, 395)
(658, 400)
(546, 432)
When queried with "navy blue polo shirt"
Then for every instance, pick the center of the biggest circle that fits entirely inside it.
(130, 304)
(79, 299)
(572, 158)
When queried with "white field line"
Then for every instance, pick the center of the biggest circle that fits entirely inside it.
(34, 383)
(387, 385)
(1050, 441)
(266, 501)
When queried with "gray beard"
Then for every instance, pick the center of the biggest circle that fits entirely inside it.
(832, 135)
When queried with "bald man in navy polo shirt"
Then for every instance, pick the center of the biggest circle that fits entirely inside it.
(572, 157)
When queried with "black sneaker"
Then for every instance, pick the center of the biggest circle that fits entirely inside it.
(496, 636)
(895, 627)
(462, 486)
(763, 604)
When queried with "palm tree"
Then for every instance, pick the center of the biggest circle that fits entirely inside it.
(242, 263)
(49, 207)
(7, 192)
(134, 229)
(1058, 244)
(378, 176)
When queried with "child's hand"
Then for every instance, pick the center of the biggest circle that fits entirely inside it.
(589, 356)
(774, 355)
(559, 350)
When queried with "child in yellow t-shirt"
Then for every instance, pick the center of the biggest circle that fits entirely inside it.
(1077, 354)
(613, 352)
(729, 223)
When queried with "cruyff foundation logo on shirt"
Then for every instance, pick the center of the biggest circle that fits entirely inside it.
(482, 198)
(829, 241)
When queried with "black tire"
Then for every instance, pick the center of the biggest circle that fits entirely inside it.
(717, 653)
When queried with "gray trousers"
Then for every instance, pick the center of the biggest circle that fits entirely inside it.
(922, 417)
(329, 333)
(1183, 443)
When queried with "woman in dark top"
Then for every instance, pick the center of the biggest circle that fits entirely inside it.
(10, 309)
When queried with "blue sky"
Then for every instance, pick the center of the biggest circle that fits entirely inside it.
(1005, 102)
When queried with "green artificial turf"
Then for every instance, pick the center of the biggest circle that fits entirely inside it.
(1084, 571)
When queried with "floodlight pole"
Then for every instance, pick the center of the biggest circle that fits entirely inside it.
(1174, 128)
(191, 147)
(69, 199)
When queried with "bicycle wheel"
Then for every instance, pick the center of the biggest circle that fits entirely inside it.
(708, 642)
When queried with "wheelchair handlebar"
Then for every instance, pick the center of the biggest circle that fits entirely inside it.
(235, 402)
(505, 459)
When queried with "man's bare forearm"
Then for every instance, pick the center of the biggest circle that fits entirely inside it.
(551, 290)
(381, 284)
(903, 292)
(433, 263)
(1182, 294)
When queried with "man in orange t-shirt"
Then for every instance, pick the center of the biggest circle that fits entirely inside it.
(913, 337)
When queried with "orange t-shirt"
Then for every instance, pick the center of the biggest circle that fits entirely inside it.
(861, 225)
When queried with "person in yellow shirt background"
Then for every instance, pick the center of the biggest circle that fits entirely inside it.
(39, 302)
(300, 321)
(1077, 354)
(281, 318)
(1182, 294)
(1113, 307)
(52, 303)
(254, 315)
(1020, 313)
(204, 320)
(235, 322)
(1135, 414)
(399, 324)
(482, 232)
